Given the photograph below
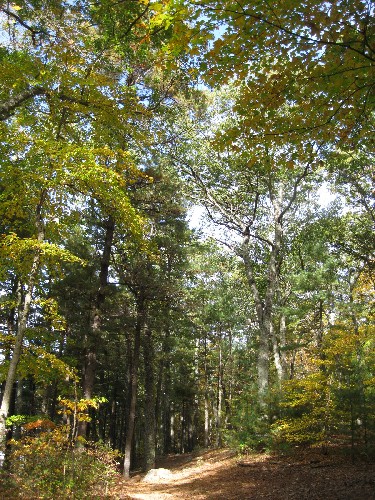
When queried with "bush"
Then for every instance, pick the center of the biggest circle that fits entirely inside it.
(49, 466)
(250, 427)
(334, 403)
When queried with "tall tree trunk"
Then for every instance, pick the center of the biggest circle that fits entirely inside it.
(150, 424)
(220, 375)
(141, 320)
(263, 323)
(277, 355)
(282, 335)
(264, 307)
(206, 419)
(273, 279)
(113, 416)
(163, 396)
(206, 399)
(227, 392)
(54, 392)
(172, 429)
(23, 314)
(93, 337)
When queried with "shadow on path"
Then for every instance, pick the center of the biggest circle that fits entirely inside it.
(218, 475)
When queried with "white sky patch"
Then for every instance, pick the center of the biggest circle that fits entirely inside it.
(325, 196)
(195, 216)
(198, 220)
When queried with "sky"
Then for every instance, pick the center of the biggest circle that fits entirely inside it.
(196, 214)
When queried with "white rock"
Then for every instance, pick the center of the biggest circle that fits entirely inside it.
(156, 475)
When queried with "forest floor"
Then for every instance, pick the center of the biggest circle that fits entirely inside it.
(219, 474)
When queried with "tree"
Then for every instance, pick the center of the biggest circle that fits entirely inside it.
(253, 195)
(314, 60)
(153, 279)
(105, 140)
(89, 76)
(333, 400)
(220, 308)
(63, 131)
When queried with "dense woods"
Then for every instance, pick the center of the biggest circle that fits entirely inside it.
(128, 328)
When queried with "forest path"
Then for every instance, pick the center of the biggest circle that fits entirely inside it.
(219, 475)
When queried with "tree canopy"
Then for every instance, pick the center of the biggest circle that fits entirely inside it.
(121, 321)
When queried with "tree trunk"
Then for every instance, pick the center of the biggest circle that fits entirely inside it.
(263, 363)
(282, 335)
(93, 337)
(163, 396)
(263, 323)
(219, 398)
(264, 308)
(172, 429)
(141, 320)
(150, 430)
(206, 420)
(206, 399)
(23, 314)
(54, 391)
(277, 356)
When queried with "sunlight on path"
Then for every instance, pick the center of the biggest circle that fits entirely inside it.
(220, 475)
(152, 496)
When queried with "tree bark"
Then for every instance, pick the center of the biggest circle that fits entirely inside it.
(92, 339)
(263, 323)
(282, 335)
(141, 320)
(220, 371)
(23, 314)
(7, 108)
(277, 355)
(264, 308)
(206, 399)
(150, 430)
(163, 396)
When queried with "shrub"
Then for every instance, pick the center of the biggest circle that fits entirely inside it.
(49, 466)
(334, 403)
(250, 427)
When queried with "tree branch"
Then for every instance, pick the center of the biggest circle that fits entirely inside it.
(32, 30)
(294, 34)
(7, 108)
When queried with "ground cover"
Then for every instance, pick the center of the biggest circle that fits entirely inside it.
(219, 474)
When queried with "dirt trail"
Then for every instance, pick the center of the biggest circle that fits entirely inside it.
(219, 475)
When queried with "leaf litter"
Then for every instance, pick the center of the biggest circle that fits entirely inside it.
(307, 474)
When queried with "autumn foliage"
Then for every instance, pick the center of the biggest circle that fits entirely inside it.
(49, 466)
(126, 321)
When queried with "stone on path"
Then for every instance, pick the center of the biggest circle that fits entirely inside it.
(156, 475)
